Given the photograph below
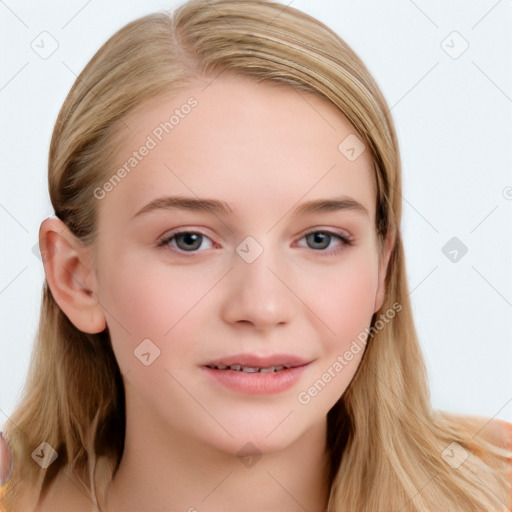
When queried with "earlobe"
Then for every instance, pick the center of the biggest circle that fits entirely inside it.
(70, 276)
(389, 245)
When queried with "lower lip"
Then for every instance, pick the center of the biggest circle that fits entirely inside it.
(257, 383)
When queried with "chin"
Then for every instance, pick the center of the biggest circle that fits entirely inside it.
(257, 438)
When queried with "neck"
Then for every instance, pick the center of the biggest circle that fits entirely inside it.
(165, 470)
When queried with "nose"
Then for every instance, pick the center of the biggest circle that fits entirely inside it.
(259, 294)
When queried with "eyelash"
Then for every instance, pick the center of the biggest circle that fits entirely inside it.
(346, 241)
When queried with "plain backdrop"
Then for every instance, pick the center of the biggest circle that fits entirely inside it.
(445, 70)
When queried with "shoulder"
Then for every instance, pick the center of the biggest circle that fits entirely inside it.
(498, 432)
(478, 428)
(492, 462)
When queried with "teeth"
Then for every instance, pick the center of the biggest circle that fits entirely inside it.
(272, 369)
(248, 369)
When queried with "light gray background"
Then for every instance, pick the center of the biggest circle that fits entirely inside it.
(454, 123)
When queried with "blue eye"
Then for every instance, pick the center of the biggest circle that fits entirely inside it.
(319, 241)
(187, 241)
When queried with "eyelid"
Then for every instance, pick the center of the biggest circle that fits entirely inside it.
(165, 239)
(345, 240)
(332, 231)
(345, 237)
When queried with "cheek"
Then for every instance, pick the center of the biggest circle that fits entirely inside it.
(144, 300)
(345, 306)
(346, 299)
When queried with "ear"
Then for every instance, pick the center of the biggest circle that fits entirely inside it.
(387, 249)
(71, 276)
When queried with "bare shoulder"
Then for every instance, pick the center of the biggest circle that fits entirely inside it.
(503, 431)
(498, 432)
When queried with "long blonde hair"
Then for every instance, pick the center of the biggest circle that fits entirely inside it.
(386, 441)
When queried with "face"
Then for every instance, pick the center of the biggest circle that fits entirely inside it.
(253, 278)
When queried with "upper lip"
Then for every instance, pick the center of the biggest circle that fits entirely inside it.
(255, 361)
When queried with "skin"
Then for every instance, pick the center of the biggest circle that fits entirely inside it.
(264, 149)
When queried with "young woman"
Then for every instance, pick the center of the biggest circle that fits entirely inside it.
(225, 320)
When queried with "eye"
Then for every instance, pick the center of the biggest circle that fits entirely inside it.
(320, 240)
(187, 241)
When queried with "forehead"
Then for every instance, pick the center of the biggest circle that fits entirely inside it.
(240, 141)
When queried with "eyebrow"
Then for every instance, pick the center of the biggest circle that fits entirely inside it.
(218, 207)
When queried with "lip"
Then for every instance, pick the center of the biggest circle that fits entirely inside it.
(258, 361)
(258, 383)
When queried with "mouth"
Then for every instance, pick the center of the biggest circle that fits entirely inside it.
(252, 374)
(248, 369)
(253, 363)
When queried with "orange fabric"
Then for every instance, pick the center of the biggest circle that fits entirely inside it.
(509, 428)
(2, 492)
